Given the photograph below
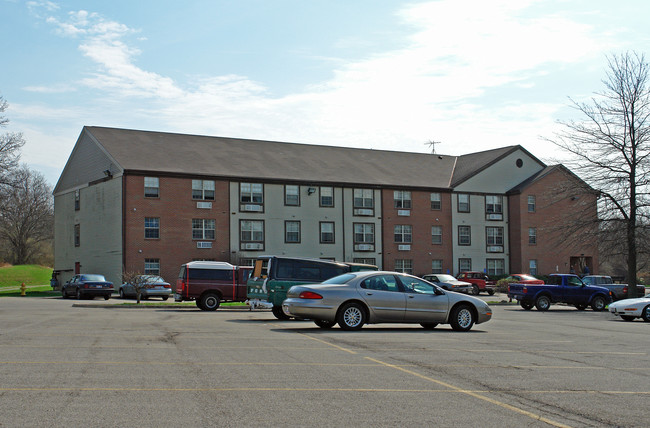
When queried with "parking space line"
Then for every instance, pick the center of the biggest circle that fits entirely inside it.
(532, 415)
(328, 343)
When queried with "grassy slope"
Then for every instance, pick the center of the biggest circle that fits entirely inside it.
(13, 276)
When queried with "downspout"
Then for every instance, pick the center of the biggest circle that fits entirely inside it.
(343, 218)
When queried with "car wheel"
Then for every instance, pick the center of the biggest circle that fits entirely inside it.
(351, 316)
(581, 307)
(165, 297)
(324, 324)
(598, 303)
(210, 302)
(543, 303)
(279, 313)
(429, 325)
(645, 314)
(78, 294)
(526, 305)
(107, 296)
(199, 304)
(475, 290)
(627, 318)
(490, 292)
(122, 296)
(63, 294)
(462, 318)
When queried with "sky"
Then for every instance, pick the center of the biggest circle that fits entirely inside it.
(472, 75)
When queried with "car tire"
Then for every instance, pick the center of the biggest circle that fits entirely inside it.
(351, 316)
(429, 325)
(209, 301)
(581, 307)
(475, 290)
(64, 294)
(78, 294)
(598, 303)
(279, 313)
(543, 303)
(324, 324)
(645, 314)
(199, 304)
(165, 298)
(107, 296)
(490, 292)
(122, 295)
(462, 318)
(627, 317)
(526, 305)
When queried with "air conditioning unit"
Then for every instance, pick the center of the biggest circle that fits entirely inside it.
(404, 213)
(253, 246)
(204, 205)
(495, 249)
(203, 244)
(362, 211)
(364, 247)
(494, 217)
(252, 208)
(404, 247)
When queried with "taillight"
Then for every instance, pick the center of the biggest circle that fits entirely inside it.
(625, 289)
(310, 295)
(168, 286)
(183, 287)
(525, 289)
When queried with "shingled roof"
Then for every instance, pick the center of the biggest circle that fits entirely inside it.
(162, 153)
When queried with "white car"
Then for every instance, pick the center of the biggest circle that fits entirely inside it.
(629, 309)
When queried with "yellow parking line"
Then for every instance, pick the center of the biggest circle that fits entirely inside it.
(476, 395)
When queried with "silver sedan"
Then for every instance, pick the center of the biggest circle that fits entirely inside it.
(358, 298)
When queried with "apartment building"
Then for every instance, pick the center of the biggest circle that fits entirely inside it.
(148, 202)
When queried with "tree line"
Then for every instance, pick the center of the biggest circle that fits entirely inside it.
(26, 204)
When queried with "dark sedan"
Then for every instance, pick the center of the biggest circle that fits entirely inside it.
(87, 286)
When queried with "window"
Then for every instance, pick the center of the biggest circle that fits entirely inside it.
(436, 266)
(77, 200)
(532, 267)
(292, 195)
(531, 204)
(381, 283)
(251, 193)
(364, 233)
(203, 189)
(404, 266)
(151, 227)
(494, 207)
(463, 203)
(326, 197)
(202, 228)
(365, 261)
(464, 235)
(436, 201)
(364, 198)
(494, 239)
(326, 232)
(436, 235)
(402, 199)
(77, 235)
(532, 236)
(291, 232)
(464, 265)
(403, 234)
(251, 231)
(246, 262)
(151, 187)
(152, 266)
(495, 267)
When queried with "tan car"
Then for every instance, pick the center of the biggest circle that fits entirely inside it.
(358, 298)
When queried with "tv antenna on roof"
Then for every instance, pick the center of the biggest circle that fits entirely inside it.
(432, 144)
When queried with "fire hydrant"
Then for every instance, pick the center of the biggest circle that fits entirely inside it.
(23, 289)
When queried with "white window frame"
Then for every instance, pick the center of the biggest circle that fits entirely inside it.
(203, 229)
(205, 188)
(403, 233)
(402, 199)
(151, 187)
(436, 235)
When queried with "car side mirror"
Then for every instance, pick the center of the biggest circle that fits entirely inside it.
(439, 292)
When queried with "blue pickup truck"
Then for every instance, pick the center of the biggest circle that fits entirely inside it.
(560, 288)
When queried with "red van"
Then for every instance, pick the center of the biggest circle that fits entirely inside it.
(210, 283)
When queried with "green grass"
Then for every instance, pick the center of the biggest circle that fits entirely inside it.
(13, 276)
(45, 291)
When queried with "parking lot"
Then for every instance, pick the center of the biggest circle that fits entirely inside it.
(69, 363)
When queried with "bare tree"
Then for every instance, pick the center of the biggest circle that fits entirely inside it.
(610, 149)
(139, 282)
(10, 145)
(26, 215)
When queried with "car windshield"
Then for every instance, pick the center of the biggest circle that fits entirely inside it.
(341, 279)
(528, 277)
(93, 278)
(446, 278)
(152, 278)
